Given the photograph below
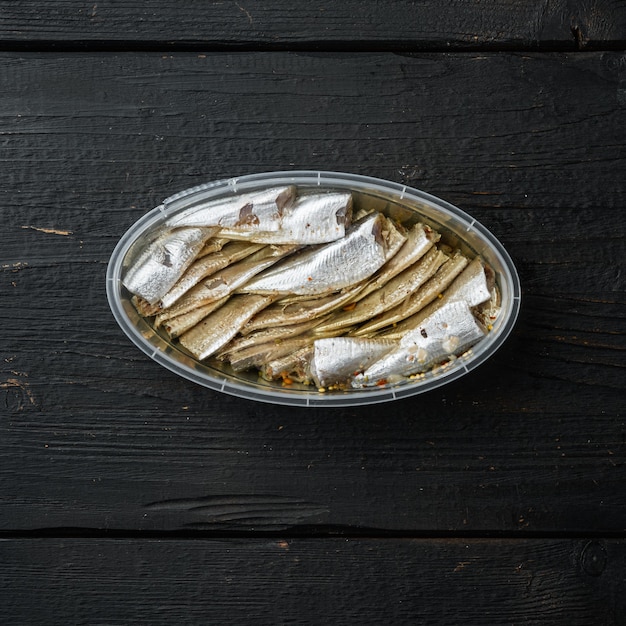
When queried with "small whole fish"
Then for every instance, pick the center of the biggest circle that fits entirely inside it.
(226, 281)
(430, 290)
(333, 266)
(474, 285)
(337, 360)
(389, 295)
(279, 314)
(176, 326)
(218, 328)
(312, 219)
(206, 266)
(488, 312)
(449, 331)
(419, 240)
(144, 307)
(215, 244)
(259, 210)
(162, 263)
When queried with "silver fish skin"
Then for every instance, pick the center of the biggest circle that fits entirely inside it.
(206, 266)
(389, 295)
(312, 219)
(226, 281)
(337, 360)
(449, 331)
(428, 292)
(258, 210)
(420, 239)
(180, 324)
(275, 334)
(218, 328)
(333, 266)
(473, 285)
(299, 312)
(163, 261)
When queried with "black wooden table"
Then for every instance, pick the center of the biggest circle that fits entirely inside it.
(130, 495)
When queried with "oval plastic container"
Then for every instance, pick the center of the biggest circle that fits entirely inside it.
(398, 201)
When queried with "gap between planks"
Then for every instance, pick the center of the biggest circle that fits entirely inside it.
(304, 533)
(395, 47)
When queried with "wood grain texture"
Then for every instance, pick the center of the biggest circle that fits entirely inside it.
(495, 24)
(95, 435)
(476, 582)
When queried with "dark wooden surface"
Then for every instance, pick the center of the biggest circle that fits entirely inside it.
(336, 581)
(384, 24)
(129, 495)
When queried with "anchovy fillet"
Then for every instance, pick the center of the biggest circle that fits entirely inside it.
(259, 210)
(474, 285)
(364, 249)
(419, 240)
(161, 264)
(288, 314)
(206, 266)
(275, 334)
(312, 219)
(226, 281)
(218, 328)
(176, 326)
(390, 295)
(451, 330)
(430, 290)
(337, 360)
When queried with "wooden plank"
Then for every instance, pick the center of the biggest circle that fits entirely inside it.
(341, 581)
(573, 24)
(95, 435)
(483, 131)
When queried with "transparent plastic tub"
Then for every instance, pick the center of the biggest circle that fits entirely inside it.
(400, 202)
